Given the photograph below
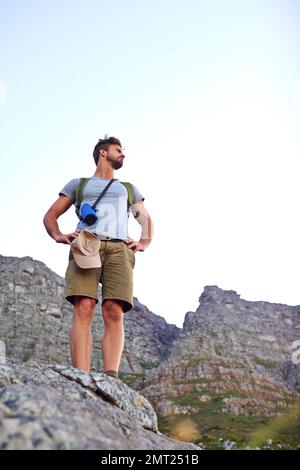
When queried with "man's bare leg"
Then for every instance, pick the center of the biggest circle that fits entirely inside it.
(80, 335)
(113, 338)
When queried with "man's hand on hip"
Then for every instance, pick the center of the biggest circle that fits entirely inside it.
(66, 238)
(141, 245)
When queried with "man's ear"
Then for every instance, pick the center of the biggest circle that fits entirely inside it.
(102, 153)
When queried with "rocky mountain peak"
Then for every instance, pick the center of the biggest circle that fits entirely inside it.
(215, 295)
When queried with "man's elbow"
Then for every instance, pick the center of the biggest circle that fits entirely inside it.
(49, 217)
(45, 218)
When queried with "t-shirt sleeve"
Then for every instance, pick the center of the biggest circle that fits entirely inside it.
(69, 189)
(137, 196)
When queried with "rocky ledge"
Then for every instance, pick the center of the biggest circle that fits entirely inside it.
(60, 407)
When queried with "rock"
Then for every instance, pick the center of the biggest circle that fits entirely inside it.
(52, 407)
(134, 404)
(78, 375)
(291, 374)
(116, 392)
(231, 348)
(229, 445)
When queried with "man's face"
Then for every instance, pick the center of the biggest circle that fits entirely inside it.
(115, 156)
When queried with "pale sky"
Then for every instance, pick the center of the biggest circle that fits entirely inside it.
(205, 97)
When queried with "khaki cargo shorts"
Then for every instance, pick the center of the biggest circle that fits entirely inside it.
(115, 275)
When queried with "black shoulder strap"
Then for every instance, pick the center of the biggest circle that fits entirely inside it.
(102, 194)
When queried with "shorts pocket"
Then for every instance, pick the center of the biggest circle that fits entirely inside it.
(131, 254)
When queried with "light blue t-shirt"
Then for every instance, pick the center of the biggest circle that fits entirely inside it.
(112, 215)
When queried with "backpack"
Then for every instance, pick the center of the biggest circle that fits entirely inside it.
(80, 188)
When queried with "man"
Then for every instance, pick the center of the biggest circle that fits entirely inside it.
(117, 255)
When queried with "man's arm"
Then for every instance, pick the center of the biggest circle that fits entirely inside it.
(141, 214)
(61, 205)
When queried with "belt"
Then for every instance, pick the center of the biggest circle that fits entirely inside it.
(108, 239)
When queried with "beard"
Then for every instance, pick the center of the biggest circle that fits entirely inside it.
(116, 164)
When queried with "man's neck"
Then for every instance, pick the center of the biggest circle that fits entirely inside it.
(107, 173)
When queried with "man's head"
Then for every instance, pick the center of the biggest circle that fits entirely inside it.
(110, 149)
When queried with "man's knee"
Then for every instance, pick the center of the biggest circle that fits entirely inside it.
(84, 307)
(113, 310)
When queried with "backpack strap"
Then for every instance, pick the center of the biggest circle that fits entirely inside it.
(129, 188)
(79, 195)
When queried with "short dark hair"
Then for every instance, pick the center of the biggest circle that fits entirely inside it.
(104, 144)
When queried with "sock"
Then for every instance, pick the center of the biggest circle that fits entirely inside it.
(112, 373)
